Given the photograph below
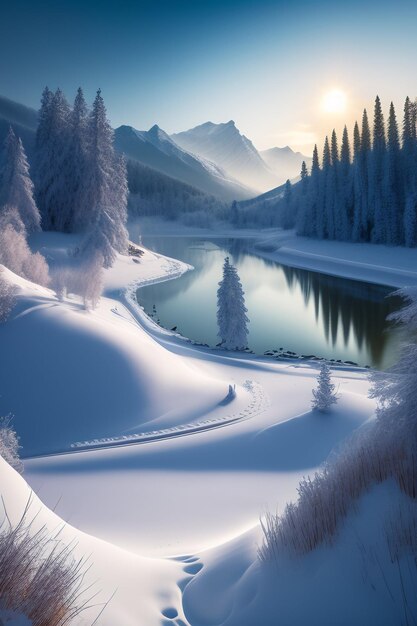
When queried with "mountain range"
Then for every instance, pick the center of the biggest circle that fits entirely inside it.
(215, 159)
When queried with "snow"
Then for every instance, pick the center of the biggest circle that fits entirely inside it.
(194, 485)
(350, 582)
(379, 264)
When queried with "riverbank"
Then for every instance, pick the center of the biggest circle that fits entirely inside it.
(382, 265)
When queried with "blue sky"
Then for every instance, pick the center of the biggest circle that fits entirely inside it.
(265, 64)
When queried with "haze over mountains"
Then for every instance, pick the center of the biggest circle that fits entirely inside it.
(215, 159)
(284, 162)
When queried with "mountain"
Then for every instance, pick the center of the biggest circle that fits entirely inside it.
(284, 162)
(156, 149)
(224, 145)
(23, 119)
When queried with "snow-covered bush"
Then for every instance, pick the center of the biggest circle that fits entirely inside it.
(7, 299)
(9, 444)
(324, 396)
(39, 577)
(90, 280)
(231, 311)
(15, 253)
(84, 278)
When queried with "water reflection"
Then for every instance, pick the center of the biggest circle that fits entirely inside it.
(302, 311)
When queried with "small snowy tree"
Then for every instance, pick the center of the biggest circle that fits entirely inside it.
(16, 184)
(231, 311)
(324, 395)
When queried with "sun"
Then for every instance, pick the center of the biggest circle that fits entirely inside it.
(334, 101)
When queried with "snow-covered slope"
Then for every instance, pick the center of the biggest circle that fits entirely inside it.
(156, 149)
(139, 589)
(284, 162)
(92, 375)
(352, 581)
(229, 149)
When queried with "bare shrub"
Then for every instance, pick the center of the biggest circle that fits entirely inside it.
(9, 444)
(39, 576)
(324, 501)
(7, 299)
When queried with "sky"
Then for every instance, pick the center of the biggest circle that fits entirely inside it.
(266, 64)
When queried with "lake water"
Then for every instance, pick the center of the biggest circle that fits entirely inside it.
(297, 310)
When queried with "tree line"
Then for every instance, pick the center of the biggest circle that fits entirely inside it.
(367, 193)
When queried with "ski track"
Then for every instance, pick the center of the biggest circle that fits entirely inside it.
(259, 402)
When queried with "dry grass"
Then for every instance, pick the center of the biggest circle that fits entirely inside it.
(324, 501)
(39, 576)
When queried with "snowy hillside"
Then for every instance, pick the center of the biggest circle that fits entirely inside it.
(285, 163)
(229, 149)
(155, 148)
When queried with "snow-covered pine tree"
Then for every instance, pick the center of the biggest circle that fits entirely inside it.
(231, 311)
(78, 162)
(393, 200)
(332, 188)
(302, 213)
(344, 215)
(107, 188)
(324, 395)
(376, 178)
(408, 158)
(16, 187)
(358, 220)
(52, 172)
(323, 203)
(364, 174)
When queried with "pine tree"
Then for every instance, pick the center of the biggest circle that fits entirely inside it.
(107, 189)
(324, 395)
(344, 217)
(78, 162)
(393, 201)
(332, 188)
(365, 167)
(231, 311)
(376, 177)
(358, 192)
(16, 189)
(52, 175)
(323, 204)
(302, 212)
(408, 158)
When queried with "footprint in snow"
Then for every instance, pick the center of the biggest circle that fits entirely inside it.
(193, 568)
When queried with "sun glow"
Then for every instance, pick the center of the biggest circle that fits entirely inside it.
(334, 101)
